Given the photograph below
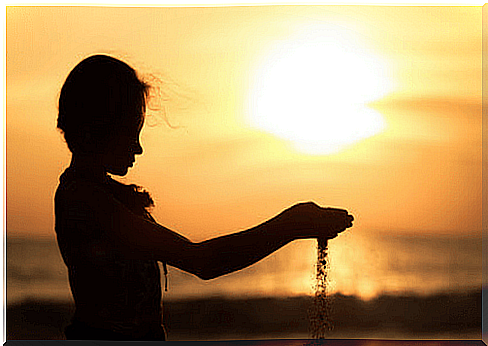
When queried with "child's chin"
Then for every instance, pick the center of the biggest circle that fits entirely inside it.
(120, 171)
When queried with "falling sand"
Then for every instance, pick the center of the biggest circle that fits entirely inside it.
(320, 322)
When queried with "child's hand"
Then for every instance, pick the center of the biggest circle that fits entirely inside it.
(308, 220)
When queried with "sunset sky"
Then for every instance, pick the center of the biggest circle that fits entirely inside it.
(373, 109)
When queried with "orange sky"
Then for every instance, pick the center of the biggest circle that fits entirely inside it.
(420, 176)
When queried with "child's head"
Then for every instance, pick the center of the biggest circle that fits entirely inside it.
(101, 110)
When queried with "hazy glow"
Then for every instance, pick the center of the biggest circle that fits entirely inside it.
(421, 177)
(313, 90)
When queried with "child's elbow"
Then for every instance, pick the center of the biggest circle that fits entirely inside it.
(205, 264)
(206, 274)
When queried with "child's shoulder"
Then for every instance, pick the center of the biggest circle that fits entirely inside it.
(72, 187)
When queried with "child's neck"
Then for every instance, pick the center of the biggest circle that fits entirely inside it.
(89, 166)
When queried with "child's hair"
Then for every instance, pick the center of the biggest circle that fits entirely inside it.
(100, 97)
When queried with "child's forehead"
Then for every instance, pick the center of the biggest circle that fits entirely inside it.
(132, 126)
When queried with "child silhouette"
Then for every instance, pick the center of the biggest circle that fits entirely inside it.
(109, 241)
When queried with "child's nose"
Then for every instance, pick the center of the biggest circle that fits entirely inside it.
(138, 149)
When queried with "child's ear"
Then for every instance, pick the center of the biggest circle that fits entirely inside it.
(88, 140)
(87, 137)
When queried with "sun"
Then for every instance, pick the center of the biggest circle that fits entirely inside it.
(313, 90)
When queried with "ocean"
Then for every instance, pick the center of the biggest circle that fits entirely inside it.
(241, 305)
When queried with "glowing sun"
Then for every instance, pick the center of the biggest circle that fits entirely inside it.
(313, 90)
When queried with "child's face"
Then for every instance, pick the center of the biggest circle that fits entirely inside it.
(121, 152)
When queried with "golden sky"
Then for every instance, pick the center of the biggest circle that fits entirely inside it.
(420, 175)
